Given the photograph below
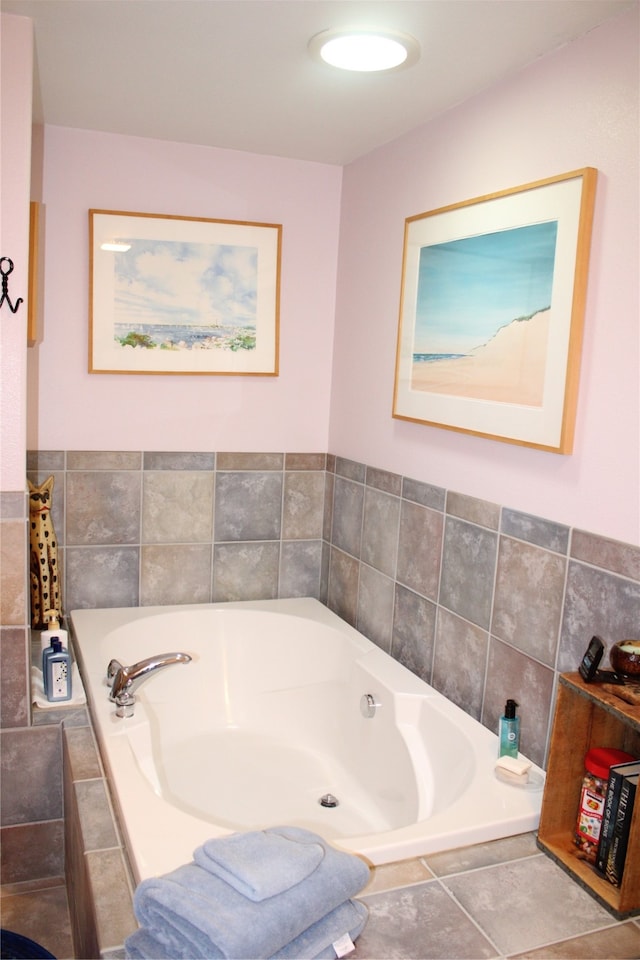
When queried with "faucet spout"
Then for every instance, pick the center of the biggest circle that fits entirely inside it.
(126, 680)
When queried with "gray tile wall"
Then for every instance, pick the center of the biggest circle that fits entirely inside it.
(480, 600)
(98, 879)
(160, 528)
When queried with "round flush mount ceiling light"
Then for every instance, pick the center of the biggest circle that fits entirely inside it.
(365, 50)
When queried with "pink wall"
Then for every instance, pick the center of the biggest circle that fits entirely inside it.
(576, 108)
(15, 152)
(72, 409)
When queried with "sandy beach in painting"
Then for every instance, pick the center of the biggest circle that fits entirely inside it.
(509, 368)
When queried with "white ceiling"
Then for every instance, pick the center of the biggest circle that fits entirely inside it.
(237, 74)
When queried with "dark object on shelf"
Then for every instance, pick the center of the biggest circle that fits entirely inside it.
(13, 946)
(625, 657)
(5, 271)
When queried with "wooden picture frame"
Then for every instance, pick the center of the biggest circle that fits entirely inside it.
(183, 295)
(491, 313)
(36, 256)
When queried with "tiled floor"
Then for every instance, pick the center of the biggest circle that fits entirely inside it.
(504, 899)
(39, 911)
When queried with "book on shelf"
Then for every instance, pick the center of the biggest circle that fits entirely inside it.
(620, 839)
(616, 776)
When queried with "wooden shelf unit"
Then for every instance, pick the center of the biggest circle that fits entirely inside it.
(587, 717)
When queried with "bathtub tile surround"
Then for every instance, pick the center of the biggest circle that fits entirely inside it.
(97, 874)
(482, 601)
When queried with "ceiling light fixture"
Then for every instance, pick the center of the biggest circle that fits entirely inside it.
(365, 50)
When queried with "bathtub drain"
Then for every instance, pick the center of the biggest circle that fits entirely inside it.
(328, 800)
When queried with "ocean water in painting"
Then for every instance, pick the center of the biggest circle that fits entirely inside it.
(176, 295)
(432, 357)
(468, 289)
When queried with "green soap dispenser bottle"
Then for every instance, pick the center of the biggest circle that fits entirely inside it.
(509, 731)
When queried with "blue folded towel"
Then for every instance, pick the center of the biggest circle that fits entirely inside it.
(315, 943)
(195, 914)
(263, 863)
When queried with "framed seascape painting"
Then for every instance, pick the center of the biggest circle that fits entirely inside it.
(183, 295)
(491, 313)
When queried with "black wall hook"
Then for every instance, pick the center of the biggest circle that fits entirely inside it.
(5, 284)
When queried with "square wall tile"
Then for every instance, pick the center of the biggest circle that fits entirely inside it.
(300, 568)
(512, 675)
(248, 506)
(459, 661)
(103, 508)
(245, 571)
(596, 602)
(420, 549)
(414, 620)
(529, 591)
(342, 594)
(15, 685)
(175, 573)
(348, 505)
(177, 506)
(303, 505)
(468, 569)
(380, 531)
(101, 577)
(31, 783)
(375, 606)
(14, 602)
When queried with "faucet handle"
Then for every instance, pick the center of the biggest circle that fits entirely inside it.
(112, 669)
(125, 704)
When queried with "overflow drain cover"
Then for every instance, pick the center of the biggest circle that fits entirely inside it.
(328, 800)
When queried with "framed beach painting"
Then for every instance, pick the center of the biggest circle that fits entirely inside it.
(491, 313)
(183, 295)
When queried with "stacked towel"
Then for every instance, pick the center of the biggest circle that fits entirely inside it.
(278, 893)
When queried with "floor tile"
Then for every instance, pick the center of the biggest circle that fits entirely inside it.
(526, 903)
(482, 854)
(402, 873)
(621, 941)
(42, 916)
(421, 923)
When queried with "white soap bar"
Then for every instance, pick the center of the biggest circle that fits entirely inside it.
(512, 770)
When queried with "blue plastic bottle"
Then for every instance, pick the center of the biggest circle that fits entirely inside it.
(55, 646)
(56, 672)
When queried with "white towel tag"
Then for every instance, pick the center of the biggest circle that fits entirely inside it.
(343, 945)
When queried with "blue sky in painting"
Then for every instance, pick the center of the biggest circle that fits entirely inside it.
(161, 281)
(469, 288)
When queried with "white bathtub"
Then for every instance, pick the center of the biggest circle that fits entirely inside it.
(267, 719)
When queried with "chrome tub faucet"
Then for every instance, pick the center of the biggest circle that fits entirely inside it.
(124, 681)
